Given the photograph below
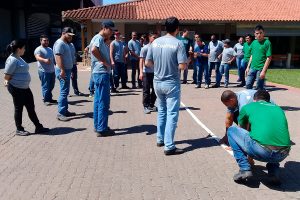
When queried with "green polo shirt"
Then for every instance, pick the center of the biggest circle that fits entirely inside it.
(246, 50)
(268, 123)
(259, 52)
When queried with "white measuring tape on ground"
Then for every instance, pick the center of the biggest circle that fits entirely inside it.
(225, 147)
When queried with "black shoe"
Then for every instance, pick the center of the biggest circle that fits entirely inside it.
(134, 87)
(78, 93)
(239, 80)
(215, 86)
(70, 114)
(242, 176)
(41, 130)
(193, 82)
(125, 87)
(22, 133)
(53, 101)
(198, 86)
(152, 108)
(240, 85)
(114, 90)
(175, 151)
(184, 82)
(106, 133)
(160, 144)
(274, 176)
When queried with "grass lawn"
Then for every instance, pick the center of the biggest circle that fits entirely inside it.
(289, 77)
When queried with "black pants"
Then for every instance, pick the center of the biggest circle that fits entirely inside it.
(135, 66)
(149, 96)
(21, 98)
(74, 79)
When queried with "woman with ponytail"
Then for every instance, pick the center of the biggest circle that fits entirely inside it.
(17, 80)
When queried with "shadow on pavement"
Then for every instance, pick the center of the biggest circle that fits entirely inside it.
(62, 131)
(198, 143)
(290, 108)
(271, 88)
(117, 112)
(123, 94)
(147, 128)
(290, 178)
(78, 102)
(189, 107)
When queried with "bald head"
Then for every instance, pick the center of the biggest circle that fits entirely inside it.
(227, 95)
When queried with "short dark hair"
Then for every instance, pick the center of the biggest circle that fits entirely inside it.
(226, 95)
(259, 27)
(262, 95)
(172, 23)
(14, 45)
(185, 30)
(43, 36)
(152, 33)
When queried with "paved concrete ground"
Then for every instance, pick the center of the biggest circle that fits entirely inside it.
(72, 163)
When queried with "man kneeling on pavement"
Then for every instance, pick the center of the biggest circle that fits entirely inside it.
(267, 140)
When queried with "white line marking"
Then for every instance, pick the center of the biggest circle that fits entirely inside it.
(215, 137)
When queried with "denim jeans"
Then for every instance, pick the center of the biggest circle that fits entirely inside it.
(91, 83)
(111, 79)
(64, 90)
(239, 65)
(224, 69)
(168, 101)
(47, 83)
(242, 145)
(242, 70)
(101, 101)
(252, 75)
(74, 78)
(119, 72)
(216, 66)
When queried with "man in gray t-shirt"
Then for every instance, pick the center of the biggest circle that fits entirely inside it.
(215, 48)
(63, 70)
(134, 48)
(147, 75)
(238, 48)
(167, 55)
(45, 61)
(227, 57)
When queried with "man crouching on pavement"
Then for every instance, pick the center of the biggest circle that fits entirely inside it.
(268, 139)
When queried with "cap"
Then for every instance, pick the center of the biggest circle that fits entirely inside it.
(226, 41)
(109, 24)
(68, 30)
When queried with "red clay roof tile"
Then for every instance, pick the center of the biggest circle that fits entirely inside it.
(193, 10)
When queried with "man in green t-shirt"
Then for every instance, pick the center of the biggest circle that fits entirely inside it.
(261, 55)
(268, 139)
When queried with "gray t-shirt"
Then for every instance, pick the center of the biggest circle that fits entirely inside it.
(238, 48)
(73, 53)
(167, 52)
(97, 66)
(63, 49)
(19, 71)
(134, 46)
(215, 49)
(46, 53)
(143, 54)
(244, 97)
(227, 55)
(118, 52)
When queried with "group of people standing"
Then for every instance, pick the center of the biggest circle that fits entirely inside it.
(252, 59)
(158, 61)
